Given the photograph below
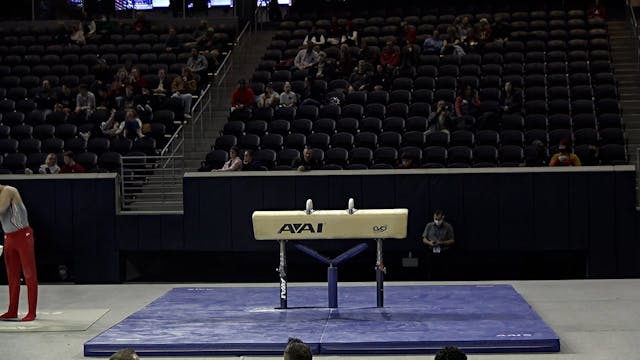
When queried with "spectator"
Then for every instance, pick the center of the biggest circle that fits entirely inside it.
(131, 127)
(408, 33)
(451, 353)
(70, 166)
(360, 78)
(409, 55)
(45, 98)
(297, 350)
(234, 163)
(440, 119)
(323, 69)
(537, 156)
(432, 45)
(139, 83)
(453, 48)
(173, 42)
(141, 25)
(438, 237)
(464, 29)
(335, 32)
(50, 165)
(288, 98)
(119, 83)
(198, 63)
(111, 127)
(349, 35)
(77, 35)
(438, 234)
(127, 100)
(85, 102)
(390, 55)
(201, 29)
(511, 100)
(269, 98)
(161, 91)
(407, 162)
(61, 35)
(306, 57)
(345, 62)
(249, 163)
(501, 30)
(314, 37)
(597, 11)
(207, 41)
(66, 98)
(467, 105)
(381, 79)
(307, 162)
(125, 354)
(242, 97)
(564, 156)
(184, 87)
(483, 33)
(369, 54)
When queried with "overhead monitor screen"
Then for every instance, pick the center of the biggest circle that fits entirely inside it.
(134, 4)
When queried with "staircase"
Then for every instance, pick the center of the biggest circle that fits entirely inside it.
(198, 141)
(155, 185)
(623, 54)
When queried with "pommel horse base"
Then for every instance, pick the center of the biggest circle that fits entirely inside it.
(313, 224)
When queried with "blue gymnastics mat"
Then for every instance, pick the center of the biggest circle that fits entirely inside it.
(415, 320)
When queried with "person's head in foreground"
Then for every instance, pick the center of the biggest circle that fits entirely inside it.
(451, 353)
(438, 219)
(125, 354)
(297, 350)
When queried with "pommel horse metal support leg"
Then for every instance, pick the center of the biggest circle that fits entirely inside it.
(282, 271)
(380, 271)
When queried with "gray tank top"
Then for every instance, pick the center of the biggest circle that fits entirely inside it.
(14, 218)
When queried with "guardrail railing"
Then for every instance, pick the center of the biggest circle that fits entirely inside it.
(151, 183)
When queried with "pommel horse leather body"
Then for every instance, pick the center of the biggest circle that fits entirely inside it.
(330, 224)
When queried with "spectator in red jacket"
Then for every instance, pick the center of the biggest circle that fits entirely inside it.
(409, 32)
(70, 166)
(390, 55)
(242, 97)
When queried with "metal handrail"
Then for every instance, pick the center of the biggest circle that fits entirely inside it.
(631, 14)
(173, 138)
(246, 28)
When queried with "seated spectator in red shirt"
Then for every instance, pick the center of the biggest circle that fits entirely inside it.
(243, 97)
(597, 11)
(483, 31)
(390, 55)
(409, 32)
(467, 102)
(70, 166)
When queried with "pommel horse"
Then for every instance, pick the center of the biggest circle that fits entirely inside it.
(310, 224)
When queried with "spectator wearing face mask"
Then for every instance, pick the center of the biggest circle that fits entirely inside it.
(438, 236)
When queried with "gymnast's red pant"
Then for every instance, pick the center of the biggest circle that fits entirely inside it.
(19, 255)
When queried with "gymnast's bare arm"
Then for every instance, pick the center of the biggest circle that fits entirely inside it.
(8, 194)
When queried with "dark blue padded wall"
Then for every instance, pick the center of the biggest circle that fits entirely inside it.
(588, 211)
(518, 211)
